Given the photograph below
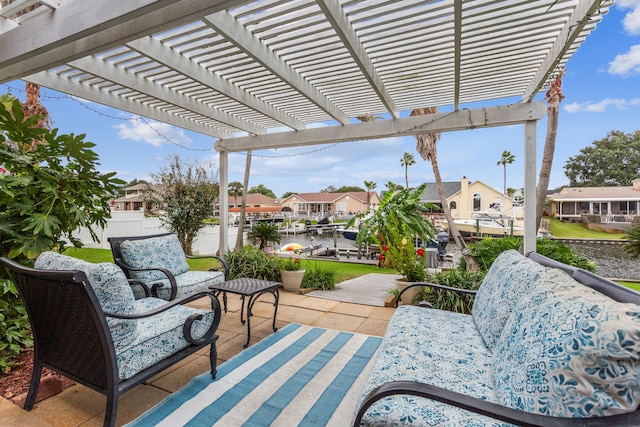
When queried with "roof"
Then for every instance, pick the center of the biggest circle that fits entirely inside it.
(330, 197)
(257, 209)
(596, 193)
(253, 199)
(431, 194)
(268, 68)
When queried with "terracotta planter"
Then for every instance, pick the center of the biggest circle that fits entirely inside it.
(291, 280)
(409, 297)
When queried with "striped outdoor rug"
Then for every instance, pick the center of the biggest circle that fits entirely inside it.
(300, 375)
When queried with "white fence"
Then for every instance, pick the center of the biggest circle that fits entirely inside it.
(133, 223)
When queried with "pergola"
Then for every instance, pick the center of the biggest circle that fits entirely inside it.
(253, 74)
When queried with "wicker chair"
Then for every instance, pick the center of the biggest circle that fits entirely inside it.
(160, 261)
(87, 326)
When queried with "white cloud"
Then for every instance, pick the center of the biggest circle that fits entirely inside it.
(152, 132)
(631, 21)
(626, 64)
(601, 107)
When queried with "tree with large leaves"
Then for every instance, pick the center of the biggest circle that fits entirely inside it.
(51, 188)
(426, 146)
(401, 213)
(262, 189)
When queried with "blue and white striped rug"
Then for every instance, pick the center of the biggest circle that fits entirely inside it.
(300, 375)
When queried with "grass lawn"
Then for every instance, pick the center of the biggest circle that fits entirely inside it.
(344, 271)
(569, 230)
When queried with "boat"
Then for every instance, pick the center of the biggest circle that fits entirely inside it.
(487, 225)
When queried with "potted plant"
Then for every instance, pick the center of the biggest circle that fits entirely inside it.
(291, 273)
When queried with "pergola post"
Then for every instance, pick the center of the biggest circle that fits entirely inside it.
(224, 202)
(530, 226)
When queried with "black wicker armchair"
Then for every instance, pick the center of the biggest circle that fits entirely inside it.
(75, 336)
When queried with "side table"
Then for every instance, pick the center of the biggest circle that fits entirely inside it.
(252, 288)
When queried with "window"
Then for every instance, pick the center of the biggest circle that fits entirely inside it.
(453, 205)
(342, 207)
(477, 202)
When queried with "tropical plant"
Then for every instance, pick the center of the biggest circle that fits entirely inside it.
(450, 300)
(406, 161)
(262, 189)
(264, 233)
(235, 189)
(401, 210)
(399, 252)
(252, 262)
(633, 246)
(506, 159)
(319, 276)
(51, 189)
(15, 332)
(188, 193)
(426, 145)
(392, 186)
(290, 264)
(553, 97)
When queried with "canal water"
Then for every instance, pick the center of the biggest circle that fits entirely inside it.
(610, 260)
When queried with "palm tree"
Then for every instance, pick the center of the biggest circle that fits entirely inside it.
(506, 159)
(235, 189)
(243, 207)
(553, 97)
(264, 233)
(392, 186)
(426, 146)
(370, 186)
(406, 161)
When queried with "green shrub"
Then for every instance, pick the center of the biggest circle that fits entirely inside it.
(318, 276)
(448, 300)
(487, 250)
(14, 325)
(252, 262)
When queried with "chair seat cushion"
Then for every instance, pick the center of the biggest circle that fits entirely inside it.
(154, 252)
(410, 351)
(569, 351)
(187, 283)
(159, 336)
(110, 286)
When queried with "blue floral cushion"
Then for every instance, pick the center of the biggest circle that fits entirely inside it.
(510, 277)
(189, 283)
(569, 351)
(108, 283)
(154, 252)
(160, 336)
(410, 351)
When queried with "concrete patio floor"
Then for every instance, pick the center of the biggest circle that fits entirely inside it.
(81, 406)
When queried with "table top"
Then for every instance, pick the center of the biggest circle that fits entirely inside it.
(245, 286)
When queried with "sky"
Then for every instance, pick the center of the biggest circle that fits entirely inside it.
(601, 88)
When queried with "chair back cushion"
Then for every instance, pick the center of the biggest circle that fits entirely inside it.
(510, 277)
(109, 284)
(154, 252)
(569, 351)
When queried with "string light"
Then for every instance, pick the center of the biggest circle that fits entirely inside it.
(169, 140)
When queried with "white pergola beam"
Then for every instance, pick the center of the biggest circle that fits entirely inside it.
(226, 25)
(81, 28)
(344, 30)
(61, 84)
(155, 50)
(102, 69)
(574, 25)
(441, 122)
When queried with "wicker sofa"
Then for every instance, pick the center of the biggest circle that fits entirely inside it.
(546, 345)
